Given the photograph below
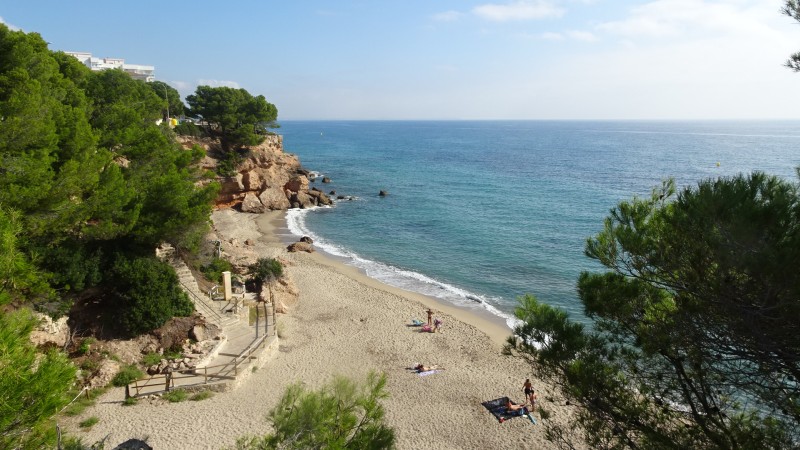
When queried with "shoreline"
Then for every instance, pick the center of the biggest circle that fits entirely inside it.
(345, 323)
(495, 327)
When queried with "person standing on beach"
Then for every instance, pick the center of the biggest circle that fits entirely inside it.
(430, 317)
(530, 395)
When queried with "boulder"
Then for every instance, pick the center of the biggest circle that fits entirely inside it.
(326, 180)
(321, 198)
(274, 198)
(383, 193)
(103, 375)
(252, 204)
(300, 247)
(303, 199)
(307, 240)
(204, 331)
(297, 183)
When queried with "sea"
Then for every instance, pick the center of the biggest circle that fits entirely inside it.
(479, 213)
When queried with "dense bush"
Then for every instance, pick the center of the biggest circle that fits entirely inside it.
(189, 129)
(213, 270)
(148, 294)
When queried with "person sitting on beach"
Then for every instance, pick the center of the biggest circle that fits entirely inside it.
(514, 409)
(436, 324)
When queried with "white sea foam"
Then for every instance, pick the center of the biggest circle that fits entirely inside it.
(396, 276)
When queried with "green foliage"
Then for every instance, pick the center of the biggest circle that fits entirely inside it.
(126, 375)
(147, 294)
(172, 98)
(189, 129)
(235, 116)
(792, 9)
(265, 270)
(82, 400)
(228, 166)
(89, 423)
(130, 401)
(85, 173)
(151, 359)
(18, 277)
(86, 345)
(341, 415)
(176, 396)
(694, 321)
(213, 270)
(33, 386)
(202, 395)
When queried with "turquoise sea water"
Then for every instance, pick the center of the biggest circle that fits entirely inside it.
(479, 213)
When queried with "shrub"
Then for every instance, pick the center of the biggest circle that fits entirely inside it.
(86, 345)
(343, 414)
(213, 270)
(126, 375)
(176, 396)
(202, 395)
(151, 359)
(148, 294)
(130, 401)
(263, 270)
(88, 423)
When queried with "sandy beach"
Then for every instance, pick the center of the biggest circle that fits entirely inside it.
(346, 323)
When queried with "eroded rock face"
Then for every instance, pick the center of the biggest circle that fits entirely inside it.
(252, 204)
(268, 179)
(284, 293)
(49, 331)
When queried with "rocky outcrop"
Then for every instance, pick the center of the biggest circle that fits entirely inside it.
(267, 178)
(284, 293)
(300, 247)
(49, 331)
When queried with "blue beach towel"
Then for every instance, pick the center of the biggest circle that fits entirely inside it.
(498, 409)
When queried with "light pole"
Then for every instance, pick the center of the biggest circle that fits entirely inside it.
(166, 97)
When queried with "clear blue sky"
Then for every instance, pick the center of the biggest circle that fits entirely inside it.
(410, 59)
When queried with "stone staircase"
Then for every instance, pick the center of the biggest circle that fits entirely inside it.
(239, 336)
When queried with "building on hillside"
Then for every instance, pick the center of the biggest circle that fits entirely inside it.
(137, 71)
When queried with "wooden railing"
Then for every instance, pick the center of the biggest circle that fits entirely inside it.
(210, 375)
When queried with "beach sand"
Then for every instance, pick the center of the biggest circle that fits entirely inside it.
(346, 323)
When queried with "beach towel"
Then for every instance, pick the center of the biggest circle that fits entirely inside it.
(498, 409)
(429, 372)
(426, 329)
(416, 322)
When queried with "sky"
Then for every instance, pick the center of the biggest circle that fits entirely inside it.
(451, 60)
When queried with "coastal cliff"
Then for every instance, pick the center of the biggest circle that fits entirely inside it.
(266, 179)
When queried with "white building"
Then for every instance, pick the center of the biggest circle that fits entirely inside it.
(137, 71)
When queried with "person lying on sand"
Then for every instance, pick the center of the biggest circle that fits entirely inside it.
(513, 408)
(424, 368)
